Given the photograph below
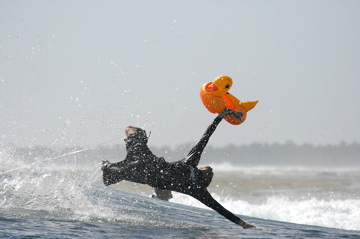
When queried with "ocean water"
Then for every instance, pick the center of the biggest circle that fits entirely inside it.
(63, 197)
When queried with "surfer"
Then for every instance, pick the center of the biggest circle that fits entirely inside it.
(142, 166)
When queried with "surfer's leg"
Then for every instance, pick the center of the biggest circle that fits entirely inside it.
(205, 197)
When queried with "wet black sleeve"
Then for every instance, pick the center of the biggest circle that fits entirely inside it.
(210, 129)
(205, 197)
(112, 174)
(194, 155)
(116, 172)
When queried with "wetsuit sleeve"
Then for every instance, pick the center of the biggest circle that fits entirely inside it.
(194, 155)
(210, 130)
(205, 197)
(114, 173)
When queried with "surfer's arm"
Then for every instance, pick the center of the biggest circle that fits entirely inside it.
(112, 172)
(194, 155)
(211, 128)
(199, 147)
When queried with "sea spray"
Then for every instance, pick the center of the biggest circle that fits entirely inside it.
(71, 189)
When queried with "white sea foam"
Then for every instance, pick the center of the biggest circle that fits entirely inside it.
(342, 214)
(66, 190)
(326, 197)
(59, 192)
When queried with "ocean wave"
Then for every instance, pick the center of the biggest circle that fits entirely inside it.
(72, 191)
(342, 214)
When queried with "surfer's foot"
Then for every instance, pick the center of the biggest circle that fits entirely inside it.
(245, 225)
(104, 164)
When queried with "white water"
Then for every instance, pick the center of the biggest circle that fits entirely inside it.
(343, 214)
(62, 188)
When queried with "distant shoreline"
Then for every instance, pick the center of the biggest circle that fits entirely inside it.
(276, 154)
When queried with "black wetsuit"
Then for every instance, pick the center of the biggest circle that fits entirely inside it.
(142, 166)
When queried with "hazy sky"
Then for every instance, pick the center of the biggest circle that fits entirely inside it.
(78, 72)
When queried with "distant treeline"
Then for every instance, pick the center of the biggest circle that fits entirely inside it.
(276, 154)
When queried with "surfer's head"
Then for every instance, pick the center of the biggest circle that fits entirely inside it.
(135, 132)
(135, 137)
(130, 130)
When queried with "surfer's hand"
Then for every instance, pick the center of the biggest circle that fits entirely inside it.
(236, 114)
(245, 225)
(224, 113)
